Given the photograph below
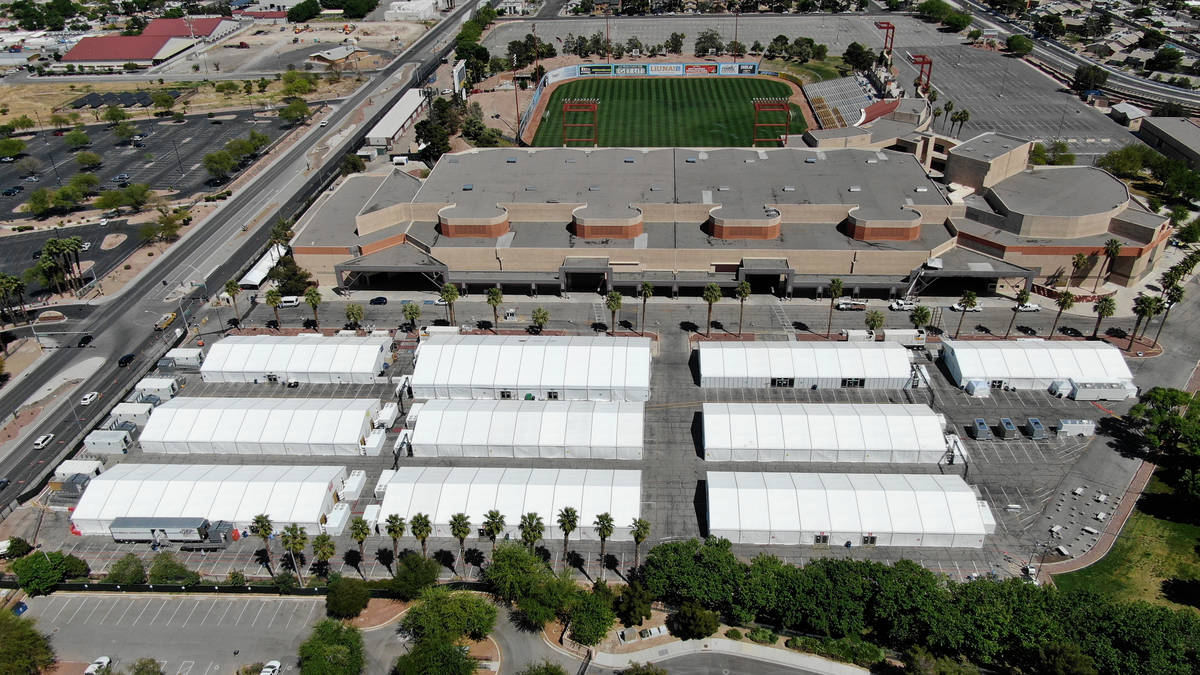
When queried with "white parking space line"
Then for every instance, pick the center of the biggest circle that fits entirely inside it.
(152, 618)
(64, 604)
(189, 616)
(261, 605)
(245, 606)
(82, 603)
(104, 619)
(178, 606)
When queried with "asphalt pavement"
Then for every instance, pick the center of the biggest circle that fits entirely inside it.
(20, 251)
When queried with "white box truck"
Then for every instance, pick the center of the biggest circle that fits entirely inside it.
(913, 338)
(164, 388)
(107, 442)
(185, 357)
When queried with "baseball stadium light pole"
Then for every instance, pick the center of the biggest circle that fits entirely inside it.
(516, 103)
(607, 39)
(737, 10)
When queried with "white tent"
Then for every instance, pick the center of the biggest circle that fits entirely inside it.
(287, 494)
(836, 508)
(1086, 369)
(537, 367)
(261, 426)
(303, 358)
(820, 432)
(804, 365)
(545, 429)
(258, 273)
(441, 492)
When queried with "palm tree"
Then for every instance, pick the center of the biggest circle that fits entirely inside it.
(323, 549)
(645, 292)
(1169, 278)
(494, 297)
(412, 312)
(1022, 299)
(312, 298)
(568, 520)
(232, 290)
(1174, 295)
(72, 247)
(460, 529)
(1104, 308)
(493, 526)
(967, 301)
(604, 529)
(1112, 249)
(937, 113)
(947, 108)
(449, 295)
(835, 292)
(421, 529)
(274, 298)
(641, 531)
(359, 531)
(540, 317)
(964, 116)
(354, 314)
(874, 320)
(395, 529)
(1143, 309)
(1079, 262)
(920, 316)
(711, 295)
(612, 302)
(262, 527)
(532, 528)
(294, 539)
(741, 293)
(1065, 301)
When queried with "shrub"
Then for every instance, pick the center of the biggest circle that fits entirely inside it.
(284, 582)
(733, 634)
(128, 570)
(347, 598)
(17, 547)
(847, 650)
(236, 578)
(692, 622)
(166, 569)
(763, 636)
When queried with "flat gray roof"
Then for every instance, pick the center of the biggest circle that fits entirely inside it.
(987, 146)
(331, 222)
(1180, 129)
(1061, 191)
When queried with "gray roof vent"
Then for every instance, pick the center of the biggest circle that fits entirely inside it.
(855, 188)
(690, 160)
(810, 160)
(510, 160)
(570, 160)
(593, 188)
(468, 187)
(531, 188)
(750, 161)
(452, 160)
(629, 160)
(789, 188)
(722, 188)
(655, 188)
(872, 161)
(921, 188)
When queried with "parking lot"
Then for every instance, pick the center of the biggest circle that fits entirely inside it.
(170, 160)
(16, 255)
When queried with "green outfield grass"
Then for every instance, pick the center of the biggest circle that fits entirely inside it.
(669, 111)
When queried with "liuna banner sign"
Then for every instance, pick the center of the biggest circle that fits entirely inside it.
(664, 69)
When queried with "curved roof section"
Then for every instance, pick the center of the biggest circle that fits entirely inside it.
(803, 360)
(820, 426)
(1064, 191)
(1082, 361)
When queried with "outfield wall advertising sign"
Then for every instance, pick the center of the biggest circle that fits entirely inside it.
(664, 69)
(700, 69)
(596, 69)
(630, 69)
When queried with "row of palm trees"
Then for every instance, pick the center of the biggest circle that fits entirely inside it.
(58, 265)
(294, 539)
(12, 296)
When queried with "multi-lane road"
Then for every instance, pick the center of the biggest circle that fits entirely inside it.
(204, 259)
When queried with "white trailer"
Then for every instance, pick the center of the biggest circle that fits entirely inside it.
(1076, 428)
(107, 442)
(909, 337)
(135, 413)
(164, 388)
(88, 467)
(186, 357)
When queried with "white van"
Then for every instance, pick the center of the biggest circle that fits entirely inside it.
(851, 305)
(289, 301)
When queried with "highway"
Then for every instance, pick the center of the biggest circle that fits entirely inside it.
(215, 251)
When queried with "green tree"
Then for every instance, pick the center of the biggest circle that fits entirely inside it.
(711, 295)
(412, 312)
(435, 655)
(273, 298)
(323, 549)
(1104, 308)
(612, 302)
(1088, 77)
(858, 57)
(920, 316)
(395, 525)
(77, 138)
(635, 668)
(220, 164)
(23, 649)
(966, 302)
(493, 526)
(449, 295)
(11, 147)
(1173, 296)
(495, 297)
(742, 292)
(295, 112)
(124, 131)
(127, 570)
(137, 195)
(413, 575)
(874, 320)
(114, 114)
(421, 529)
(513, 572)
(167, 569)
(38, 574)
(640, 529)
(540, 317)
(532, 528)
(591, 616)
(460, 529)
(1064, 301)
(352, 163)
(604, 529)
(346, 598)
(1020, 45)
(1021, 299)
(262, 527)
(333, 648)
(632, 605)
(146, 666)
(294, 539)
(645, 292)
(835, 292)
(449, 615)
(162, 100)
(693, 622)
(40, 202)
(568, 521)
(354, 314)
(359, 531)
(312, 298)
(232, 289)
(543, 668)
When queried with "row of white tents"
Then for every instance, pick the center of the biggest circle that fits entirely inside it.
(1084, 370)
(441, 492)
(805, 365)
(836, 509)
(528, 429)
(316, 359)
(264, 426)
(303, 495)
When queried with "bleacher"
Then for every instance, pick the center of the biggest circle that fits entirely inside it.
(839, 103)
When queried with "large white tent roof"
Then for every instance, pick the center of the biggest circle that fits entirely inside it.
(441, 492)
(822, 426)
(931, 509)
(540, 426)
(1079, 360)
(259, 425)
(304, 357)
(287, 494)
(803, 360)
(477, 366)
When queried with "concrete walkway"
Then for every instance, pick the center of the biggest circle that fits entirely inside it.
(1115, 524)
(783, 657)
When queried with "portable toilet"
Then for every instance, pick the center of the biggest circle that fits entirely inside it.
(1037, 431)
(1007, 428)
(980, 430)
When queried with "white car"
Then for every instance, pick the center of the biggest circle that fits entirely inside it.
(87, 246)
(439, 301)
(42, 441)
(1029, 307)
(101, 664)
(902, 305)
(89, 398)
(270, 668)
(958, 307)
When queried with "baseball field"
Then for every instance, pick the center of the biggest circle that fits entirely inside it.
(668, 111)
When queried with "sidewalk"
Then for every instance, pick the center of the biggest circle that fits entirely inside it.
(715, 645)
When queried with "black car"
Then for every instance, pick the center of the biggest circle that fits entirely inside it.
(379, 301)
(126, 360)
(86, 340)
(8, 192)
